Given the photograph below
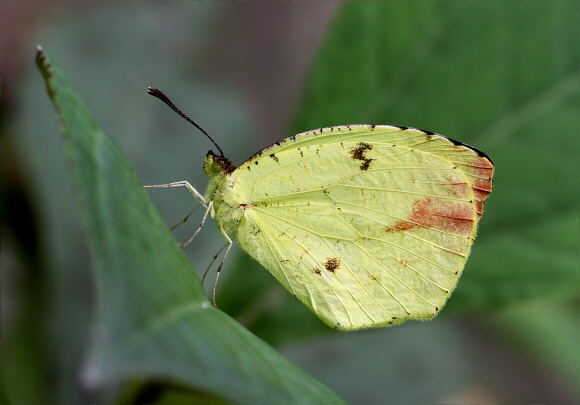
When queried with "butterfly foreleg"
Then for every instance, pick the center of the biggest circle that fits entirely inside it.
(203, 201)
(185, 184)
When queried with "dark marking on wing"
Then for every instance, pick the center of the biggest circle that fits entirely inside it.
(316, 271)
(332, 264)
(274, 157)
(429, 135)
(359, 153)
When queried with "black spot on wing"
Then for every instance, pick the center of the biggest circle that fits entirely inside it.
(365, 165)
(332, 264)
(429, 134)
(359, 153)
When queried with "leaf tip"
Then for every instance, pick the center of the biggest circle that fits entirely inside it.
(41, 61)
(40, 56)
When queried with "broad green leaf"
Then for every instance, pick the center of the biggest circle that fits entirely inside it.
(153, 320)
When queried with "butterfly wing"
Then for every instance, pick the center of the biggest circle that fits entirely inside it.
(366, 225)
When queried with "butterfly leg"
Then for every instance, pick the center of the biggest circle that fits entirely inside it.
(229, 245)
(184, 219)
(200, 225)
(185, 184)
(211, 263)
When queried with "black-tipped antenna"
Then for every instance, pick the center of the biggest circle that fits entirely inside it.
(161, 96)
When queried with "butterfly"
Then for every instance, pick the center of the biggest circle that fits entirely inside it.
(367, 225)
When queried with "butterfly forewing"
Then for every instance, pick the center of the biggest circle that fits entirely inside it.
(367, 225)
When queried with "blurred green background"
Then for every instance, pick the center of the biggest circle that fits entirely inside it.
(501, 76)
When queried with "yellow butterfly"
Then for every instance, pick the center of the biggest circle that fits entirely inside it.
(367, 225)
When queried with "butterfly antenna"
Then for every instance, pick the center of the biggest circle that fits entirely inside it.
(161, 96)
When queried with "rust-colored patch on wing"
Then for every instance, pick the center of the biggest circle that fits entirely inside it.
(331, 264)
(450, 216)
(483, 166)
(482, 188)
(459, 187)
(402, 226)
(483, 169)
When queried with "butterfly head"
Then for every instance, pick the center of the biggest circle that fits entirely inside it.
(215, 164)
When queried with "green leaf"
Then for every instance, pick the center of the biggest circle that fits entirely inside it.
(153, 319)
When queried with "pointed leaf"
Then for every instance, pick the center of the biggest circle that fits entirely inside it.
(153, 319)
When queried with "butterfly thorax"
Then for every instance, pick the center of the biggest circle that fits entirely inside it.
(226, 210)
